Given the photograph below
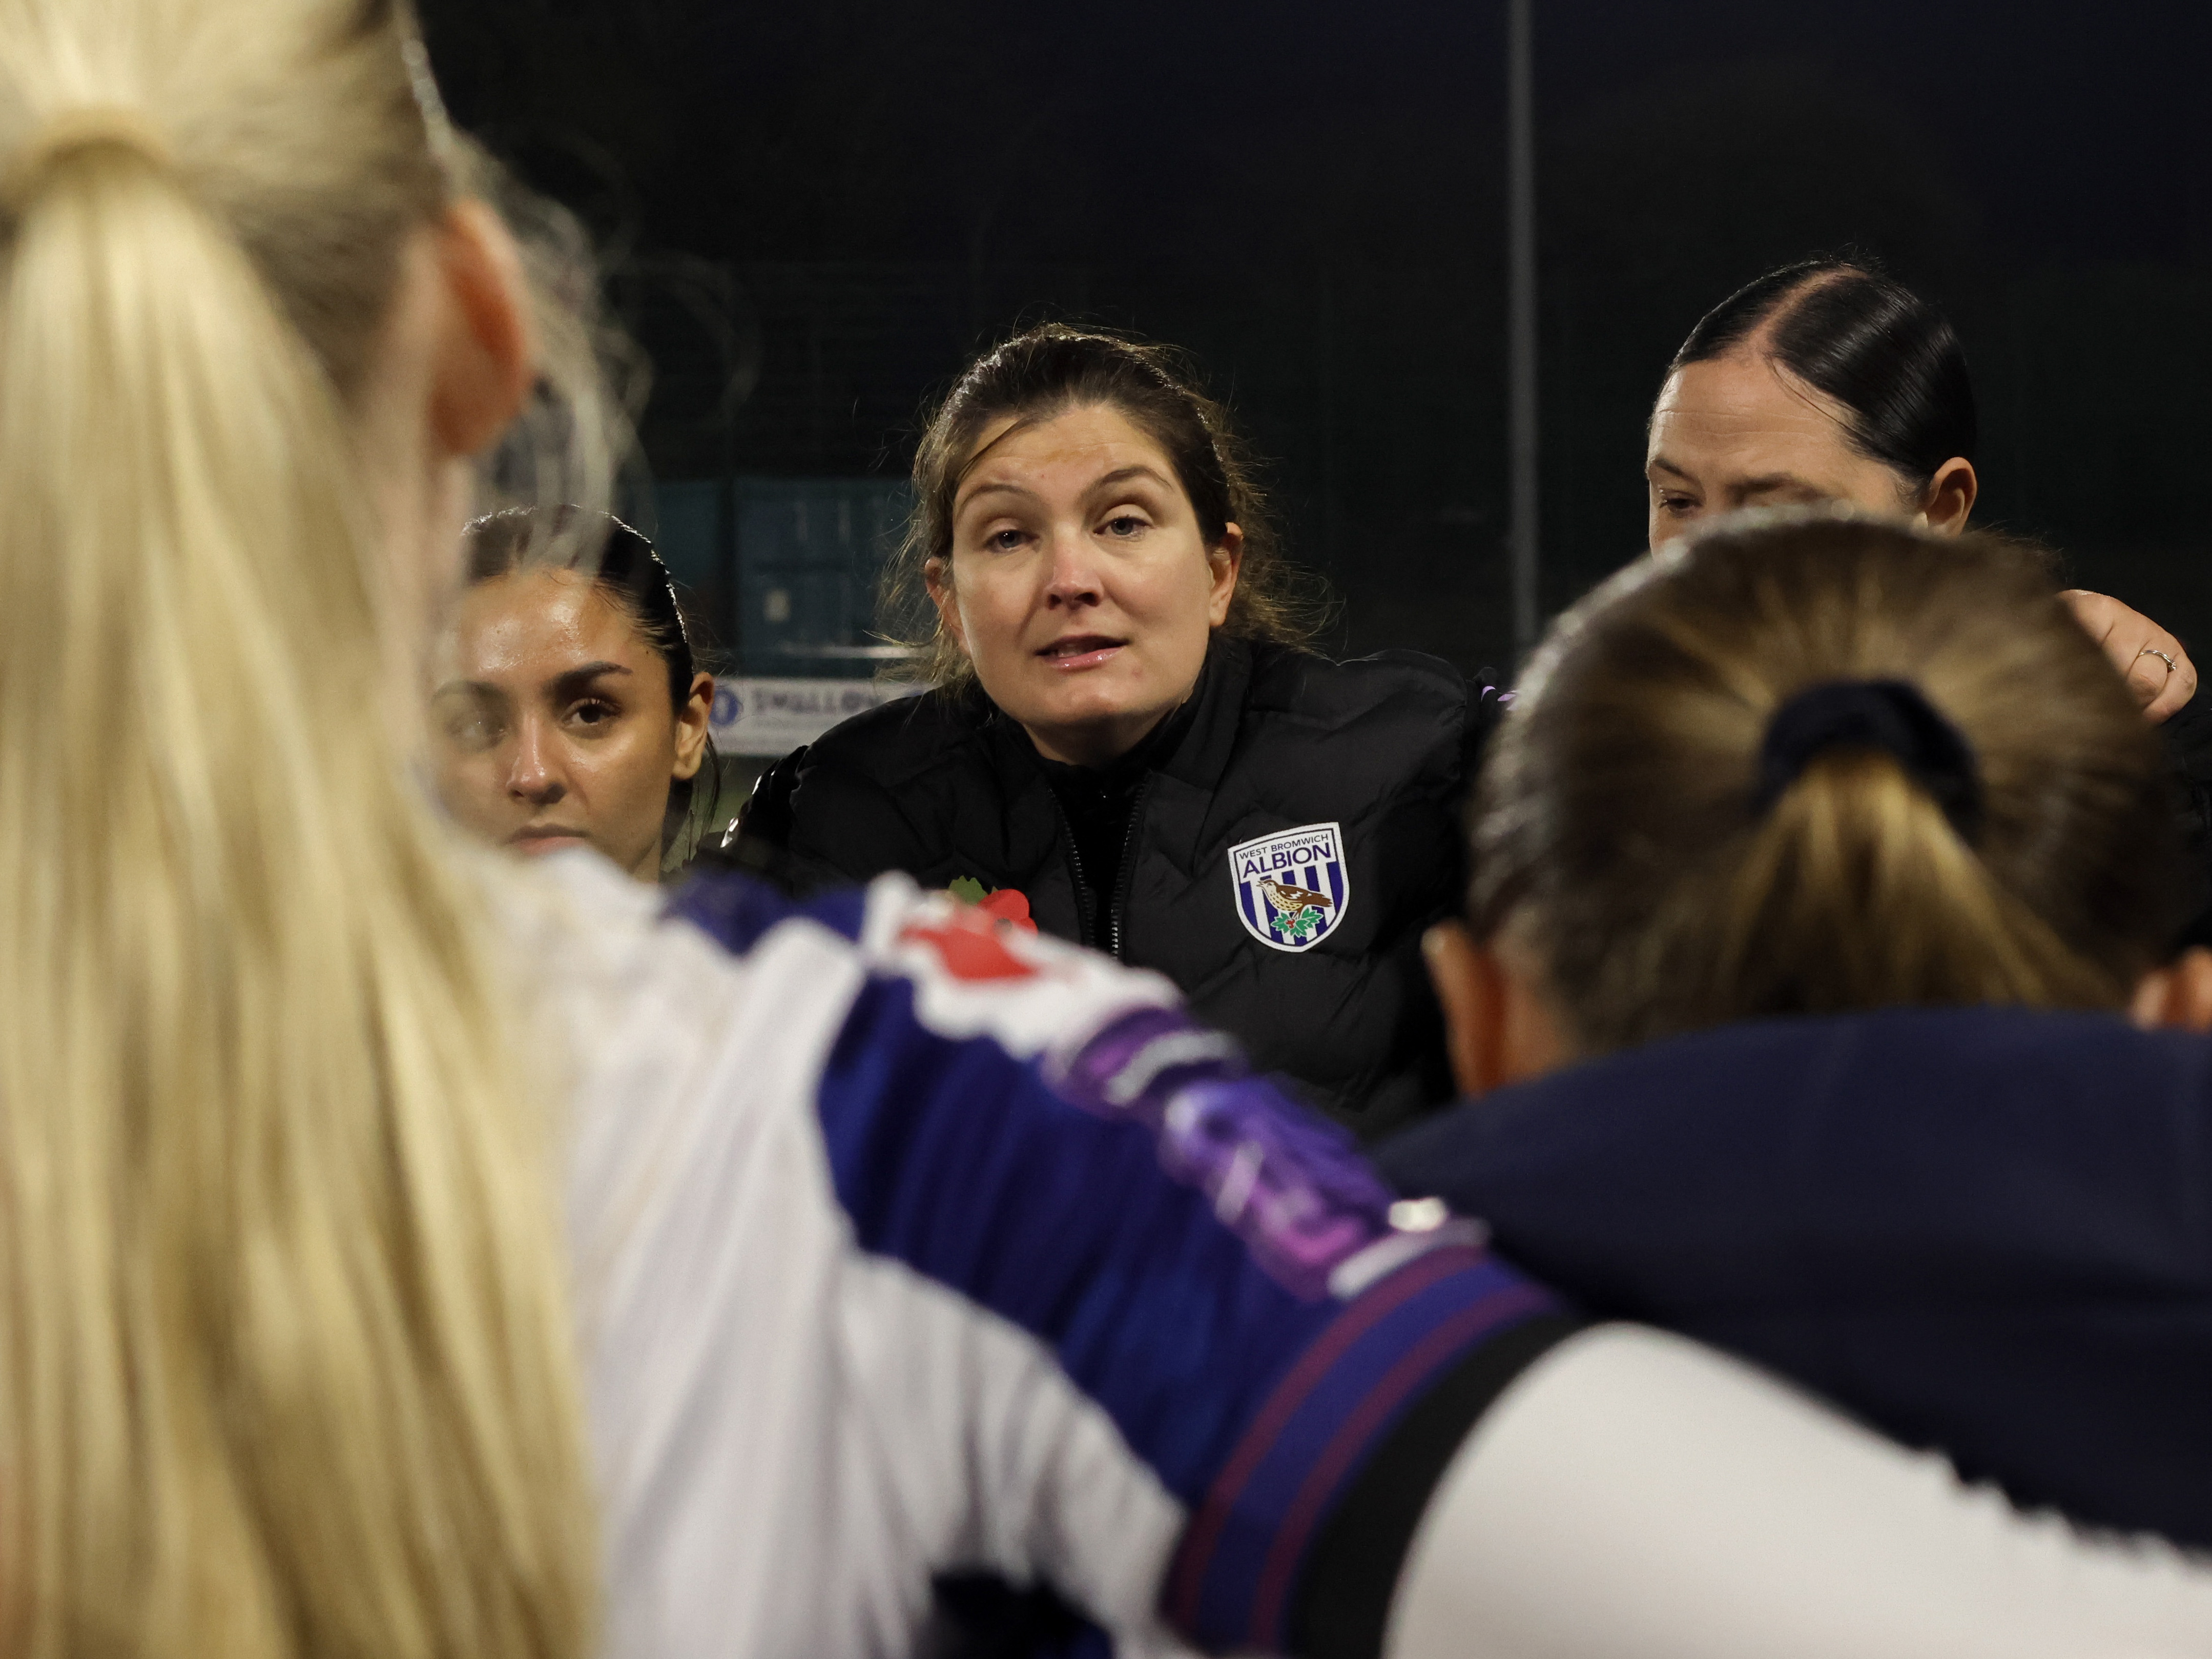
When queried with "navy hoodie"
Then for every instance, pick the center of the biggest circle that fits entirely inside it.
(1986, 1230)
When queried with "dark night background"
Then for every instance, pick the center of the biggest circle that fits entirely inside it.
(823, 206)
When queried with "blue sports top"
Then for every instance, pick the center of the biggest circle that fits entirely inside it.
(1987, 1231)
(1015, 1270)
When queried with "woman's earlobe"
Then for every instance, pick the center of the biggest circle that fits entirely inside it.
(487, 361)
(1499, 1025)
(1227, 558)
(1950, 498)
(937, 578)
(691, 723)
(2177, 997)
(1474, 995)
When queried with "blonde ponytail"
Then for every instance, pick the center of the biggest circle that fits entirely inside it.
(1623, 828)
(288, 1365)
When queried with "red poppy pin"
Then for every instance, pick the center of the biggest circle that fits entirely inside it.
(1008, 905)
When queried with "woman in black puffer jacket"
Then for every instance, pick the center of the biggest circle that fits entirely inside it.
(1127, 742)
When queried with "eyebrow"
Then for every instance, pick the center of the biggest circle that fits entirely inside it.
(1123, 475)
(1002, 488)
(580, 679)
(474, 688)
(564, 684)
(1765, 481)
(1119, 475)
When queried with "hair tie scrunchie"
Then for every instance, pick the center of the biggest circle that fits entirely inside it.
(1892, 715)
(89, 126)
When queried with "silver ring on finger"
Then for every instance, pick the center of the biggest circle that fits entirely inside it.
(2152, 651)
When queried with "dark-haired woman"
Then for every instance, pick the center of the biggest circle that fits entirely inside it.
(1127, 730)
(1827, 381)
(569, 710)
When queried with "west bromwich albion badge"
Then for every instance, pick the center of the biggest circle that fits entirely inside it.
(1292, 888)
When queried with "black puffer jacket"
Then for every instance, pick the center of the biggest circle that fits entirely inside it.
(1337, 786)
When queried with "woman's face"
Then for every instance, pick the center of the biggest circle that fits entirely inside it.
(1741, 431)
(551, 723)
(1079, 584)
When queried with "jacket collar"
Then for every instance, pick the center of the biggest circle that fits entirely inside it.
(1198, 755)
(1809, 1092)
(1202, 755)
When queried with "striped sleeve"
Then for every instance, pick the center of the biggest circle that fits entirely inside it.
(1047, 1135)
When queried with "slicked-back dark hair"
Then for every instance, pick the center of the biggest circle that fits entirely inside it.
(601, 546)
(1886, 354)
(1046, 371)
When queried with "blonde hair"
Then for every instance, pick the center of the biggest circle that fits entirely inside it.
(1620, 829)
(289, 1366)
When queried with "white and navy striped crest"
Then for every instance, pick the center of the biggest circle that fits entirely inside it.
(1292, 888)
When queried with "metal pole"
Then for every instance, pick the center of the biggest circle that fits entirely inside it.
(1521, 318)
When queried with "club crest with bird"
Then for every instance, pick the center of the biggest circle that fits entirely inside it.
(1291, 888)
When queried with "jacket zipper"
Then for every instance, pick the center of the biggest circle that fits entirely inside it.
(1116, 900)
(1128, 872)
(1075, 864)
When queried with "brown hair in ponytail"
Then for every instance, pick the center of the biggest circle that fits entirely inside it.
(1621, 832)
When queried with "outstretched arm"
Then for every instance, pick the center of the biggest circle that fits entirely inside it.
(1635, 1493)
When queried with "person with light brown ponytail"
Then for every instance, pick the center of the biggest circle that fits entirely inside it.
(407, 1251)
(1793, 825)
(1829, 381)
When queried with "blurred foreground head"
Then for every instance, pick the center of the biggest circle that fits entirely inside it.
(1810, 763)
(288, 1363)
